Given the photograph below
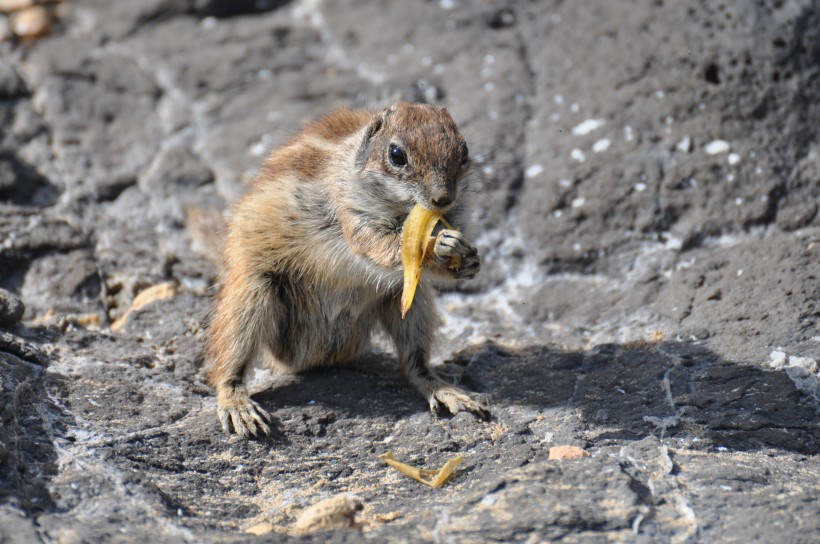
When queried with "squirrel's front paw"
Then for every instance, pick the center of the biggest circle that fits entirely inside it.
(237, 410)
(451, 243)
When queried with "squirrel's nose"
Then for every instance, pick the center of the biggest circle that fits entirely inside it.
(441, 199)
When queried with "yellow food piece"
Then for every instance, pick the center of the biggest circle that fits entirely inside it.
(415, 234)
(433, 478)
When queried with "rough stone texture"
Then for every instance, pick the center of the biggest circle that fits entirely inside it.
(629, 303)
(11, 308)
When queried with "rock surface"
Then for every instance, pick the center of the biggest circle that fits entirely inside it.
(637, 281)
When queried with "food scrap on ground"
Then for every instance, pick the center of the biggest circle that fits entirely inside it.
(433, 478)
(160, 291)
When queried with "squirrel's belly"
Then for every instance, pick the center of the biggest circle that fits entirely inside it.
(321, 329)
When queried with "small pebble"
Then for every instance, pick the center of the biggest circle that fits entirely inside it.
(577, 155)
(716, 147)
(588, 126)
(31, 23)
(567, 452)
(600, 146)
(534, 170)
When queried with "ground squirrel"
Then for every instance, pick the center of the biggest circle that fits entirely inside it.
(312, 255)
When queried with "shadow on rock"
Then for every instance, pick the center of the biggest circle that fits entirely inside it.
(629, 392)
(20, 183)
(374, 386)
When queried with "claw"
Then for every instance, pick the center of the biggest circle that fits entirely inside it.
(238, 427)
(457, 401)
(239, 414)
(223, 420)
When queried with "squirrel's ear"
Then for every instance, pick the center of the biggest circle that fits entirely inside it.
(369, 135)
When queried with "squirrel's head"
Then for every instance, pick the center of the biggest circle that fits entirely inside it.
(418, 151)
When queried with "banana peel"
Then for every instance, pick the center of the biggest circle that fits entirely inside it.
(433, 478)
(415, 237)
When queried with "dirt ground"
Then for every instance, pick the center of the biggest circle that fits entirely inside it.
(647, 215)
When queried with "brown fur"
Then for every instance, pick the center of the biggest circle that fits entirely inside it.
(312, 256)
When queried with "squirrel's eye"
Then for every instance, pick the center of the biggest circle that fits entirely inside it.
(397, 156)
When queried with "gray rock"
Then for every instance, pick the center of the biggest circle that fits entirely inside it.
(11, 308)
(634, 287)
(22, 184)
(11, 85)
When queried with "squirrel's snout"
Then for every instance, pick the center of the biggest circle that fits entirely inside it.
(441, 197)
(441, 201)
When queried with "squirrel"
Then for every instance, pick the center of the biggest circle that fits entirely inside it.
(311, 261)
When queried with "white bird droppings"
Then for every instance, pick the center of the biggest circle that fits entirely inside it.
(640, 187)
(578, 155)
(533, 170)
(588, 126)
(716, 147)
(733, 159)
(578, 202)
(601, 145)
